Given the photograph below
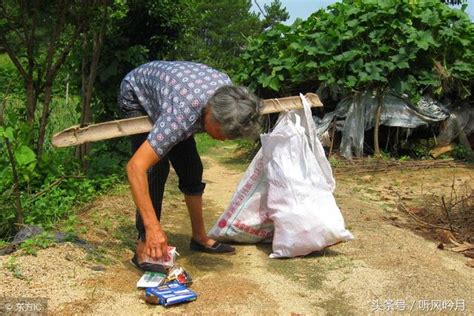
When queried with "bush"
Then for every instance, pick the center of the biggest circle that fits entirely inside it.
(411, 47)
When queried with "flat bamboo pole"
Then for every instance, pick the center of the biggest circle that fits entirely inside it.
(76, 135)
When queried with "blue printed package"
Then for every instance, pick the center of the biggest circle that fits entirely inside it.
(169, 294)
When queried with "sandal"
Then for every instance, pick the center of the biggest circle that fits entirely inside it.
(147, 266)
(217, 247)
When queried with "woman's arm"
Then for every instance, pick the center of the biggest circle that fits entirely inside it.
(156, 244)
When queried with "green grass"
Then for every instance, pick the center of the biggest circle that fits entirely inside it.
(337, 304)
(207, 145)
(235, 154)
(12, 265)
(41, 241)
(302, 270)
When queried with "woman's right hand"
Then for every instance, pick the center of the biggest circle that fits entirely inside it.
(156, 243)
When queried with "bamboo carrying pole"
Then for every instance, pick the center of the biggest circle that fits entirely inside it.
(79, 135)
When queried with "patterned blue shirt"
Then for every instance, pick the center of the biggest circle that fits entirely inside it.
(173, 94)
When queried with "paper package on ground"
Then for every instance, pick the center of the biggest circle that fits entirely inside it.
(288, 189)
(180, 275)
(169, 288)
(169, 294)
(167, 263)
(151, 279)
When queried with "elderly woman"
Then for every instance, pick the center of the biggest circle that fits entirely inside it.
(181, 98)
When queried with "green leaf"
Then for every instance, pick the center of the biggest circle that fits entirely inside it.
(399, 61)
(310, 49)
(8, 133)
(464, 67)
(430, 18)
(347, 56)
(296, 46)
(357, 65)
(274, 84)
(351, 81)
(270, 82)
(352, 23)
(24, 155)
(423, 39)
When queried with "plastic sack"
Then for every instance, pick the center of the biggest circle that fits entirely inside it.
(244, 220)
(289, 186)
(299, 197)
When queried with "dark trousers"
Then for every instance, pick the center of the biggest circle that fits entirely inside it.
(188, 166)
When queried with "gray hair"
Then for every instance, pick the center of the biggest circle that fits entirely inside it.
(237, 110)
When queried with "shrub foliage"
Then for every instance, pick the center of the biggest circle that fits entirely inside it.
(410, 47)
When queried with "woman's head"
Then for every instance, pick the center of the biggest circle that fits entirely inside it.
(236, 110)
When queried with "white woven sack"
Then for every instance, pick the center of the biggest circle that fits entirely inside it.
(245, 220)
(299, 200)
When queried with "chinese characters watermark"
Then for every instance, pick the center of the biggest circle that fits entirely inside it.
(423, 305)
(23, 306)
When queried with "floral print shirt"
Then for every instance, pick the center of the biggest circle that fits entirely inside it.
(173, 94)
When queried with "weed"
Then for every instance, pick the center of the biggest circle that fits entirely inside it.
(335, 162)
(102, 221)
(41, 241)
(370, 191)
(385, 156)
(235, 153)
(462, 153)
(12, 265)
(205, 143)
(70, 225)
(404, 158)
(387, 207)
(99, 255)
(356, 189)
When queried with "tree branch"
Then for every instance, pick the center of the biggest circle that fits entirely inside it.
(13, 57)
(54, 42)
(260, 9)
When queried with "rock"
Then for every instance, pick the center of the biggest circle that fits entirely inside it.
(62, 237)
(7, 250)
(98, 268)
(25, 233)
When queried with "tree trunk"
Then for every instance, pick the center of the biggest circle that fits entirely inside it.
(88, 76)
(44, 120)
(19, 218)
(30, 100)
(377, 122)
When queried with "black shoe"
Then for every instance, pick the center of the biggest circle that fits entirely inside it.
(217, 247)
(146, 266)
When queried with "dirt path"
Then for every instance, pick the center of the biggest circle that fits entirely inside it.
(385, 268)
